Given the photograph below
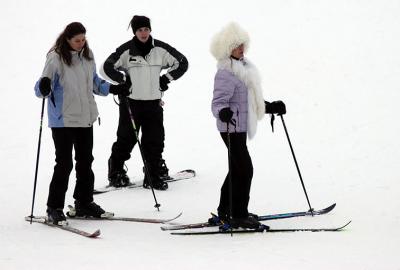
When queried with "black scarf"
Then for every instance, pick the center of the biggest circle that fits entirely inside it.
(143, 48)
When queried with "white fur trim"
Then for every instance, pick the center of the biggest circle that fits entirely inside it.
(229, 38)
(246, 72)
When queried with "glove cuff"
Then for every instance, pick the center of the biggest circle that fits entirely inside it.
(169, 77)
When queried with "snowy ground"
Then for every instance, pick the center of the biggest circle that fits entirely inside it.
(336, 64)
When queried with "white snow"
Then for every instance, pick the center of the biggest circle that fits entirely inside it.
(336, 65)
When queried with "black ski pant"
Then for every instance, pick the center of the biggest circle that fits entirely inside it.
(148, 117)
(66, 139)
(241, 174)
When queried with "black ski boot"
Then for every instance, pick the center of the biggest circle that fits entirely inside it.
(116, 175)
(119, 179)
(248, 223)
(157, 182)
(218, 220)
(253, 215)
(89, 210)
(163, 170)
(56, 216)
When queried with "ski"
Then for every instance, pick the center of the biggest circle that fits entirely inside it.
(181, 175)
(71, 214)
(260, 218)
(69, 228)
(263, 229)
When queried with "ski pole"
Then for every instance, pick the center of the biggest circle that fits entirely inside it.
(228, 137)
(157, 205)
(295, 162)
(37, 159)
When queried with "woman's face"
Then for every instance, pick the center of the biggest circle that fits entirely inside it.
(143, 34)
(238, 52)
(77, 42)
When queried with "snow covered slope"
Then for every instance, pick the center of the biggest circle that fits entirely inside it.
(336, 65)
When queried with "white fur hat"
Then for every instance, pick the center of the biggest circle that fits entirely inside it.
(229, 38)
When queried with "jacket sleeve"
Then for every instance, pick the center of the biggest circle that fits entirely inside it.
(174, 60)
(50, 70)
(100, 87)
(224, 88)
(113, 68)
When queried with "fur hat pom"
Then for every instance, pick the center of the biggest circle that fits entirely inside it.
(229, 38)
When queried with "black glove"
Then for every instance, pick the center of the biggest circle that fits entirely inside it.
(275, 107)
(164, 81)
(225, 114)
(45, 86)
(122, 88)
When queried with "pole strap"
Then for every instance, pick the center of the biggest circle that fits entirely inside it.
(272, 121)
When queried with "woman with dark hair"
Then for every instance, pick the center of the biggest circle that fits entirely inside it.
(69, 79)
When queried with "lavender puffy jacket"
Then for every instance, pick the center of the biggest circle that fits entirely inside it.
(230, 92)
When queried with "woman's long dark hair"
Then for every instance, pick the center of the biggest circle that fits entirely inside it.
(62, 47)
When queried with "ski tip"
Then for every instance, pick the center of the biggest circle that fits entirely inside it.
(95, 234)
(192, 171)
(179, 215)
(328, 209)
(345, 225)
(331, 207)
(188, 171)
(171, 219)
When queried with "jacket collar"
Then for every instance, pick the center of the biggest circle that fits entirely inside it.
(139, 48)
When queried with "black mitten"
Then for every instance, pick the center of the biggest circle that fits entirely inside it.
(122, 88)
(164, 81)
(277, 107)
(225, 114)
(45, 86)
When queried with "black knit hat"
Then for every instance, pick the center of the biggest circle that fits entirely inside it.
(139, 22)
